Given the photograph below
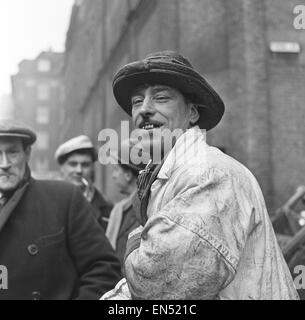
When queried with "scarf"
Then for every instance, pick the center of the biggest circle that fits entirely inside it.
(14, 197)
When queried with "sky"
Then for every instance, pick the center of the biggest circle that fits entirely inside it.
(28, 27)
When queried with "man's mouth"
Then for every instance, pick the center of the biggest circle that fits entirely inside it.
(150, 125)
(5, 175)
(77, 178)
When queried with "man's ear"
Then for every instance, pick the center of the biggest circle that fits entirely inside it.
(128, 176)
(28, 152)
(194, 114)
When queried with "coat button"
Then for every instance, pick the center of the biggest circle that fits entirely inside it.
(33, 249)
(36, 295)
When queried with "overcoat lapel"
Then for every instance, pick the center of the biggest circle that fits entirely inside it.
(9, 207)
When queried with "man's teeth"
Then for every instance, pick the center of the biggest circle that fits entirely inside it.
(148, 126)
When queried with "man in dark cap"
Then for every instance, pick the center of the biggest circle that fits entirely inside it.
(50, 243)
(206, 232)
(76, 158)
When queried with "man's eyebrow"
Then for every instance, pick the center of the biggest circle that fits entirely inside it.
(160, 88)
(137, 91)
(155, 89)
(13, 148)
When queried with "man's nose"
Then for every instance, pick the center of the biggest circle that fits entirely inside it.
(5, 164)
(114, 174)
(147, 107)
(79, 169)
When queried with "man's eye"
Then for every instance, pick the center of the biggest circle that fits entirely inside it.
(72, 164)
(162, 98)
(136, 101)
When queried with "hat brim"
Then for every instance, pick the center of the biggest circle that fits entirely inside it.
(27, 138)
(188, 82)
(61, 158)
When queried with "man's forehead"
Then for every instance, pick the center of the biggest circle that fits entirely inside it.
(152, 87)
(79, 157)
(10, 141)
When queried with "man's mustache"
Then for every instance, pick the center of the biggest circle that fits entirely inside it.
(145, 121)
(5, 173)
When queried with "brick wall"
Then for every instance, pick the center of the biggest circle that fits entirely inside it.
(227, 41)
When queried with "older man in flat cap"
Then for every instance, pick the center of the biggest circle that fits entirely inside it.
(206, 232)
(76, 159)
(50, 243)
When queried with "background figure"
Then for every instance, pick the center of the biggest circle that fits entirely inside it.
(288, 223)
(76, 158)
(124, 216)
(51, 244)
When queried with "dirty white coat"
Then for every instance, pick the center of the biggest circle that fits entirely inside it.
(208, 235)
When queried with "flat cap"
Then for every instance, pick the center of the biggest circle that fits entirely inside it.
(75, 144)
(15, 128)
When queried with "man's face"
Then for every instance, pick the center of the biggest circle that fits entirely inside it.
(78, 166)
(120, 178)
(159, 107)
(13, 160)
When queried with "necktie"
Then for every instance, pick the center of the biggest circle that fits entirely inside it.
(144, 182)
(144, 177)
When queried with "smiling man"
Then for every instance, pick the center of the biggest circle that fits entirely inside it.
(205, 231)
(50, 243)
(76, 158)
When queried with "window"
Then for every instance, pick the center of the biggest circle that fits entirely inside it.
(20, 94)
(78, 2)
(54, 83)
(43, 92)
(43, 65)
(43, 115)
(30, 83)
(42, 140)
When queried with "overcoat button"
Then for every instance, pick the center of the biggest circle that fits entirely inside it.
(33, 249)
(36, 295)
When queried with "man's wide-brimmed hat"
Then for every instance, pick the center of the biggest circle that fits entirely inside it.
(171, 69)
(14, 128)
(75, 144)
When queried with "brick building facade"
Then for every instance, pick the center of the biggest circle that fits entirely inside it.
(38, 95)
(229, 43)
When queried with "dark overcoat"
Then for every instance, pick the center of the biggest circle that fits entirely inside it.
(53, 246)
(102, 209)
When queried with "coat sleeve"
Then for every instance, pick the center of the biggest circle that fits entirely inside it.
(96, 262)
(191, 248)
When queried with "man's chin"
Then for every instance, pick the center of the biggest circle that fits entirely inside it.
(8, 187)
(76, 182)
